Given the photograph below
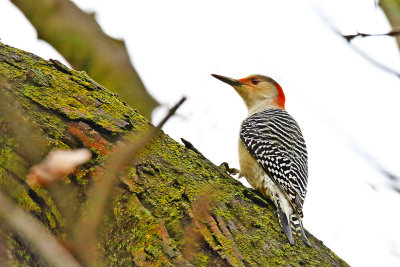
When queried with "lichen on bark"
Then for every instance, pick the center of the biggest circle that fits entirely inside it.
(172, 207)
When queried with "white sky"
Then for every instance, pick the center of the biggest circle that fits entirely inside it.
(343, 104)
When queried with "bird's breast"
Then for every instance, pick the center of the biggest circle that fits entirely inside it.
(260, 180)
(250, 168)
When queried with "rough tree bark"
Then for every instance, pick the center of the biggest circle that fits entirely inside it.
(173, 207)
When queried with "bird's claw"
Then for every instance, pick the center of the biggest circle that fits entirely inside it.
(225, 167)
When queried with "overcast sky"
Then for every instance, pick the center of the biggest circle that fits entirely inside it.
(347, 108)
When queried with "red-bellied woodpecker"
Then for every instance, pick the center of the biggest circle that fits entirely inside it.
(272, 151)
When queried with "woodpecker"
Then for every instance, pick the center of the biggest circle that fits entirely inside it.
(272, 150)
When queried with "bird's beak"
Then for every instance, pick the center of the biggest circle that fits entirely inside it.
(227, 80)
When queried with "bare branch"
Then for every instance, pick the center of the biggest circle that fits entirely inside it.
(360, 34)
(171, 112)
(95, 52)
(356, 49)
(35, 234)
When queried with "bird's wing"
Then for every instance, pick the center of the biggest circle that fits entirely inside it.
(275, 140)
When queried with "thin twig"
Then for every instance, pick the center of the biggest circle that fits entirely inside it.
(350, 37)
(171, 112)
(84, 234)
(356, 49)
(35, 234)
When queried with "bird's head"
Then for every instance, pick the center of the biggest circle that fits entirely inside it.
(257, 91)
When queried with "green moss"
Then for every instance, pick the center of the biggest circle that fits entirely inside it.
(200, 260)
(13, 162)
(135, 234)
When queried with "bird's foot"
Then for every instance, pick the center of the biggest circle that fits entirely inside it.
(225, 167)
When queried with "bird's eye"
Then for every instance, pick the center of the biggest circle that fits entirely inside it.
(255, 81)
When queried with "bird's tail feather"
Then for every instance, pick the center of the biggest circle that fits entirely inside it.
(284, 221)
(297, 228)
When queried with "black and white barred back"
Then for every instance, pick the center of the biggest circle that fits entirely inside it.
(275, 140)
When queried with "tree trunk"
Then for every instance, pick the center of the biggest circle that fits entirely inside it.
(173, 207)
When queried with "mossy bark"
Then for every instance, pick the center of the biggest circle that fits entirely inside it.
(173, 207)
